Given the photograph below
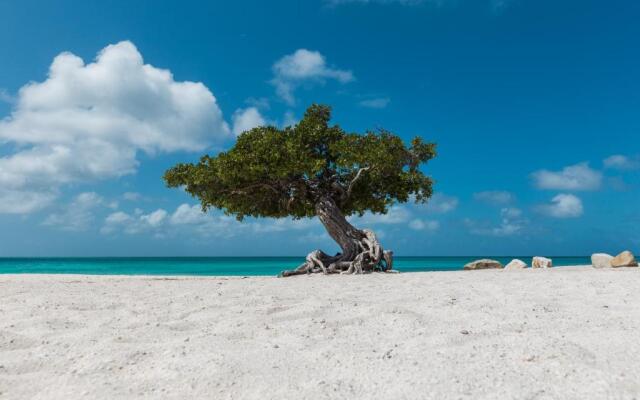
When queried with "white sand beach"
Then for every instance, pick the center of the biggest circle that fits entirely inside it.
(563, 333)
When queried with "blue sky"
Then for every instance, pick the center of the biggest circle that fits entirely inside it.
(534, 106)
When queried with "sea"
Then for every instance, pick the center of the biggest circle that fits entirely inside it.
(225, 266)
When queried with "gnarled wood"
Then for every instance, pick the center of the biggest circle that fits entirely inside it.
(361, 251)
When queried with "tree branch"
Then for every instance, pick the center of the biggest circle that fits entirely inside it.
(355, 179)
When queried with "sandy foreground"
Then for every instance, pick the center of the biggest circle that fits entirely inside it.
(566, 333)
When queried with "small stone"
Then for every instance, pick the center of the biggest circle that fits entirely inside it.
(601, 260)
(464, 332)
(624, 259)
(515, 264)
(483, 264)
(541, 262)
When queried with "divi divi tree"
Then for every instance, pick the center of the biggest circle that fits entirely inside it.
(314, 169)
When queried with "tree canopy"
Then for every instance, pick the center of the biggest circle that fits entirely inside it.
(272, 172)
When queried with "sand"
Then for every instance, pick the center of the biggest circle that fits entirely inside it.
(565, 333)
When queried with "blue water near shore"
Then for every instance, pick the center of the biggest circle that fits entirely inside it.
(212, 266)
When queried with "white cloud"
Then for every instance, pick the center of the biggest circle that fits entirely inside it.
(258, 102)
(424, 225)
(303, 67)
(396, 215)
(191, 219)
(154, 219)
(186, 215)
(246, 119)
(282, 225)
(78, 215)
(133, 224)
(511, 212)
(441, 203)
(5, 96)
(511, 223)
(380, 102)
(22, 202)
(620, 162)
(117, 217)
(563, 206)
(574, 177)
(132, 196)
(494, 197)
(404, 214)
(88, 121)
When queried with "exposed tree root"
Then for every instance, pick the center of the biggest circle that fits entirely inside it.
(361, 251)
(370, 258)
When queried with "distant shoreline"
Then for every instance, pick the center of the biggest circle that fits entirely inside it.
(222, 266)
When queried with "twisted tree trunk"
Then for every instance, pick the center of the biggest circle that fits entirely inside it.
(361, 251)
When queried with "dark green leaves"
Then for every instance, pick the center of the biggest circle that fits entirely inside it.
(273, 172)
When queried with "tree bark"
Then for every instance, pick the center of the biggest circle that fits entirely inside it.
(361, 251)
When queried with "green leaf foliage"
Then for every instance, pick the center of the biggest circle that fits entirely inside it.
(273, 172)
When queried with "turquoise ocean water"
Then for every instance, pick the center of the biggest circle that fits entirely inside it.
(239, 266)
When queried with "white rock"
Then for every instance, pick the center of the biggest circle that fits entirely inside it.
(515, 264)
(601, 260)
(541, 262)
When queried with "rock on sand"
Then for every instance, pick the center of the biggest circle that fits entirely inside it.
(541, 262)
(601, 260)
(483, 264)
(515, 264)
(624, 259)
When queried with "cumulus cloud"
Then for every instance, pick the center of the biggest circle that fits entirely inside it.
(5, 96)
(132, 196)
(89, 121)
(261, 103)
(191, 219)
(304, 67)
(397, 214)
(378, 103)
(155, 218)
(137, 222)
(246, 119)
(622, 163)
(511, 223)
(424, 225)
(187, 214)
(411, 215)
(78, 215)
(574, 177)
(563, 206)
(14, 201)
(441, 203)
(494, 197)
